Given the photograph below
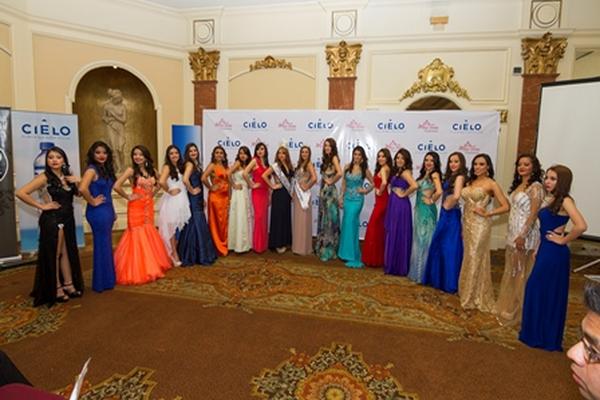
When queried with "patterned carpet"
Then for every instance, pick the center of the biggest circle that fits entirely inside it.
(332, 291)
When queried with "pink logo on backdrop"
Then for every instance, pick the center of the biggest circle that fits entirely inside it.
(320, 143)
(287, 125)
(355, 125)
(393, 146)
(428, 127)
(223, 124)
(469, 148)
(256, 141)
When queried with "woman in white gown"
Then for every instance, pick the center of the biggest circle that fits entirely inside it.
(239, 237)
(174, 210)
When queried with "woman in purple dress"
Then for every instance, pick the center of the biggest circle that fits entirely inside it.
(398, 218)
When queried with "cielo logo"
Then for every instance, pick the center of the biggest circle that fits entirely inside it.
(253, 124)
(287, 125)
(320, 125)
(351, 144)
(222, 124)
(355, 125)
(363, 223)
(229, 143)
(318, 163)
(469, 148)
(45, 129)
(315, 201)
(294, 144)
(430, 146)
(466, 127)
(391, 126)
(393, 146)
(427, 126)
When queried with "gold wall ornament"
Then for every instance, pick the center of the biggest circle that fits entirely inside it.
(436, 77)
(270, 62)
(343, 59)
(541, 56)
(503, 115)
(204, 64)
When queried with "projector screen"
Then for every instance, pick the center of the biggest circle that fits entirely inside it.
(569, 134)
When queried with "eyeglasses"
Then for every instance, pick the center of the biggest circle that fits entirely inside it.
(591, 355)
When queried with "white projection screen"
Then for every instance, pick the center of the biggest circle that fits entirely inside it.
(569, 134)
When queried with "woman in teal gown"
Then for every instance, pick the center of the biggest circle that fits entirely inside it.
(425, 218)
(355, 174)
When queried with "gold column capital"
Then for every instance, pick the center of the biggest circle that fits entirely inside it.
(342, 59)
(204, 64)
(541, 55)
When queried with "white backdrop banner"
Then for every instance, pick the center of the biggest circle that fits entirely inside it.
(417, 131)
(33, 134)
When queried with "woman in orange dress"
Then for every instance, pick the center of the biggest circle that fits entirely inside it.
(140, 256)
(216, 179)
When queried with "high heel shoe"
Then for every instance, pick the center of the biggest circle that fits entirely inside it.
(61, 296)
(71, 292)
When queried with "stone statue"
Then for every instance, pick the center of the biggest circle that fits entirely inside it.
(114, 116)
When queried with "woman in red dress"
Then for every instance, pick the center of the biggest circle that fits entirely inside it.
(216, 179)
(374, 243)
(260, 197)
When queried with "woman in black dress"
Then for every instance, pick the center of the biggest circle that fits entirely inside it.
(58, 274)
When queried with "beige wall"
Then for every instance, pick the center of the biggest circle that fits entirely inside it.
(58, 62)
(6, 88)
(272, 88)
(588, 66)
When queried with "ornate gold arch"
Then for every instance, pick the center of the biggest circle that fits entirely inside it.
(436, 77)
(271, 62)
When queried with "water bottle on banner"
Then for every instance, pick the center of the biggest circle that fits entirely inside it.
(39, 166)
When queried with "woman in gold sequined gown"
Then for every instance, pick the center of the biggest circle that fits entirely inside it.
(475, 282)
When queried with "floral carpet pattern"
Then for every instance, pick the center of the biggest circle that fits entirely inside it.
(20, 320)
(335, 372)
(136, 385)
(364, 295)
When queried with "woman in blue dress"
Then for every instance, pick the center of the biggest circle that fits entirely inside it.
(352, 203)
(398, 216)
(195, 242)
(425, 218)
(96, 187)
(328, 226)
(442, 268)
(547, 290)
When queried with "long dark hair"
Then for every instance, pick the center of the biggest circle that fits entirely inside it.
(388, 160)
(265, 161)
(364, 164)
(449, 176)
(174, 168)
(52, 178)
(106, 170)
(148, 163)
(287, 163)
(245, 150)
(327, 159)
(302, 163)
(437, 165)
(408, 164)
(564, 178)
(187, 158)
(489, 163)
(212, 155)
(536, 172)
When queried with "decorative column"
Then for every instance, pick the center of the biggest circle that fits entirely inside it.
(342, 60)
(204, 64)
(541, 56)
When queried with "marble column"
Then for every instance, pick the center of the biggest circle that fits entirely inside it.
(204, 64)
(541, 56)
(342, 59)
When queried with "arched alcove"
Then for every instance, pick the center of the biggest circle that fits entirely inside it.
(115, 106)
(428, 103)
